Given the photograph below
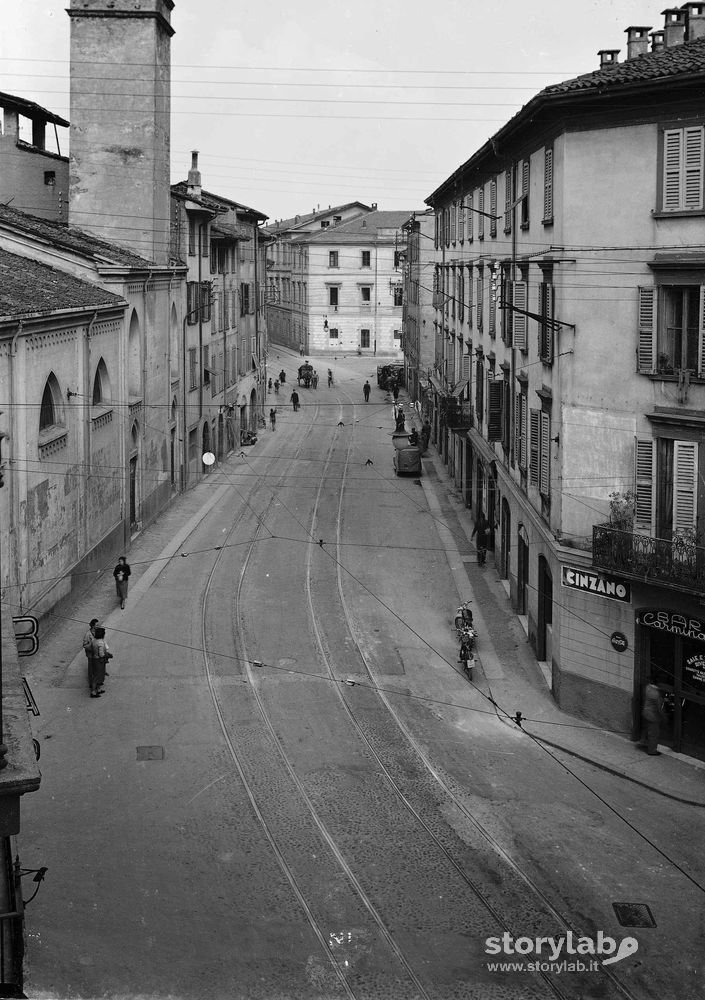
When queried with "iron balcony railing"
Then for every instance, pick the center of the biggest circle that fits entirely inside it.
(677, 562)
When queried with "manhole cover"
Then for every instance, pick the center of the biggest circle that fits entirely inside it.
(634, 915)
(150, 753)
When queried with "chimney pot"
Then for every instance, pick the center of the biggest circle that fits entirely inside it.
(637, 40)
(657, 41)
(674, 26)
(608, 57)
(194, 176)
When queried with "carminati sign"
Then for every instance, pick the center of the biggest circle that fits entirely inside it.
(602, 584)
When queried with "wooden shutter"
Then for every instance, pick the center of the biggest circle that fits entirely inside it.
(534, 446)
(644, 478)
(493, 207)
(470, 290)
(701, 333)
(524, 449)
(693, 167)
(546, 326)
(480, 280)
(548, 185)
(517, 427)
(466, 367)
(461, 221)
(495, 406)
(545, 457)
(646, 350)
(672, 169)
(480, 216)
(470, 218)
(453, 220)
(685, 481)
(519, 300)
(508, 201)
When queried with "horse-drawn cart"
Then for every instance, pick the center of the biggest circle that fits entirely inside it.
(305, 375)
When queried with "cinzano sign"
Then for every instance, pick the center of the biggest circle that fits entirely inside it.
(602, 584)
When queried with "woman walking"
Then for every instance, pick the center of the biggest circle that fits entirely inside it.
(122, 574)
(100, 655)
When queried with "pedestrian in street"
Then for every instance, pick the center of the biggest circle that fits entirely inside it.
(651, 719)
(413, 437)
(295, 400)
(395, 392)
(481, 529)
(314, 379)
(88, 650)
(269, 386)
(282, 376)
(301, 348)
(273, 418)
(425, 434)
(366, 390)
(122, 574)
(100, 656)
(276, 387)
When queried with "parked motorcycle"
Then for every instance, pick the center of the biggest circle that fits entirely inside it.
(467, 651)
(463, 616)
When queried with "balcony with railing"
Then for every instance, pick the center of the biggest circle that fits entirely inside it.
(678, 562)
(457, 413)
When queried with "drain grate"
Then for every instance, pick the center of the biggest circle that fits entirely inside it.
(634, 915)
(150, 753)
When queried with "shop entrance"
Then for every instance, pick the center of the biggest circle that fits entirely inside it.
(672, 650)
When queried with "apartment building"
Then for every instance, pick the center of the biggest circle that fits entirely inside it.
(418, 316)
(569, 383)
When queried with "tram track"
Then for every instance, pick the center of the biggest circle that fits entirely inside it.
(342, 974)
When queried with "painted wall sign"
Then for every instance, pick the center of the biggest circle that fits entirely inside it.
(694, 672)
(619, 641)
(676, 624)
(602, 584)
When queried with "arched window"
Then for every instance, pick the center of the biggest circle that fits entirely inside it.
(101, 385)
(50, 410)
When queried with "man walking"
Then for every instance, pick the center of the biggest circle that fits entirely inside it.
(481, 528)
(88, 650)
(295, 400)
(366, 390)
(122, 573)
(273, 418)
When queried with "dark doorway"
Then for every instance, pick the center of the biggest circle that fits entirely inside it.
(133, 493)
(545, 609)
(506, 533)
(522, 571)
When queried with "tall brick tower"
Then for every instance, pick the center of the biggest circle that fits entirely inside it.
(120, 125)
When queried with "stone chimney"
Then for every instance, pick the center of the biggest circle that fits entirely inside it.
(657, 41)
(674, 26)
(194, 177)
(695, 20)
(637, 41)
(120, 131)
(608, 57)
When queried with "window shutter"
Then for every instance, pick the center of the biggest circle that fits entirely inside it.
(470, 219)
(685, 480)
(508, 201)
(517, 427)
(493, 207)
(672, 161)
(644, 476)
(519, 301)
(646, 351)
(461, 221)
(534, 446)
(470, 295)
(495, 405)
(701, 333)
(548, 185)
(453, 217)
(693, 163)
(466, 367)
(480, 215)
(523, 451)
(545, 457)
(545, 326)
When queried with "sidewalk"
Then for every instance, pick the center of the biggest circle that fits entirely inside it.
(507, 671)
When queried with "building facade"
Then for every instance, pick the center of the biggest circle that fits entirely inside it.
(569, 292)
(224, 336)
(350, 294)
(34, 176)
(287, 271)
(418, 310)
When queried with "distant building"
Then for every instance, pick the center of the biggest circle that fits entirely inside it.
(224, 333)
(571, 272)
(287, 270)
(346, 285)
(418, 313)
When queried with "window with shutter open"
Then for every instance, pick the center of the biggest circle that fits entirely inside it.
(508, 199)
(495, 408)
(644, 479)
(493, 207)
(646, 349)
(545, 458)
(685, 482)
(534, 446)
(548, 185)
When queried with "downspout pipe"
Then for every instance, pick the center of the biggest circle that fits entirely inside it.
(14, 484)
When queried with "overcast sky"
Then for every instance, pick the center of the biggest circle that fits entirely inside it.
(317, 102)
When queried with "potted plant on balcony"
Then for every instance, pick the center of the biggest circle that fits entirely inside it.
(622, 511)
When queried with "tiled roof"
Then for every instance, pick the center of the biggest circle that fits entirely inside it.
(74, 240)
(667, 64)
(27, 286)
(676, 64)
(297, 221)
(211, 200)
(361, 228)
